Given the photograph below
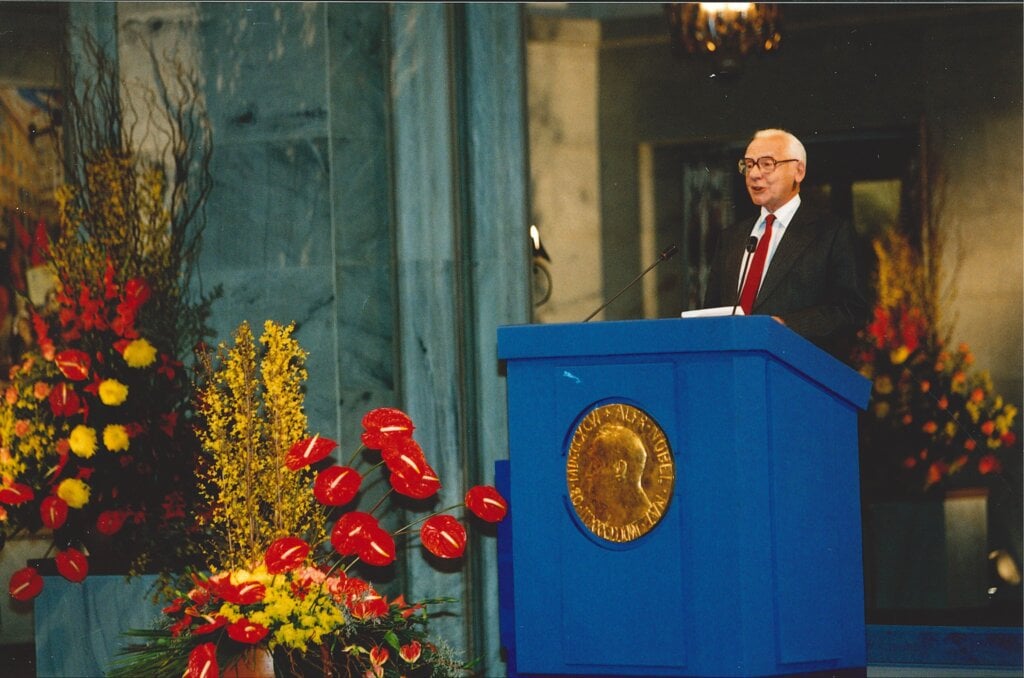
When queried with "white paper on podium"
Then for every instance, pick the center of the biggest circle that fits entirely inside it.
(713, 312)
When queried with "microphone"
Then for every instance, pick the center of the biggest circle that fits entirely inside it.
(751, 246)
(666, 253)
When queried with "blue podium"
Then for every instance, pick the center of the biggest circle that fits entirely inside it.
(741, 552)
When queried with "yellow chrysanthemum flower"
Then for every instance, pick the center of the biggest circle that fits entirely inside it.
(115, 438)
(899, 355)
(139, 353)
(113, 392)
(74, 491)
(83, 441)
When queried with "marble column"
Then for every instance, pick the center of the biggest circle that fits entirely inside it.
(460, 201)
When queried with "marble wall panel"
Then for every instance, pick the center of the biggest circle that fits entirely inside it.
(358, 70)
(269, 206)
(361, 195)
(265, 69)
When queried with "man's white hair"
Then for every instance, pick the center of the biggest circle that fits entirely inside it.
(793, 145)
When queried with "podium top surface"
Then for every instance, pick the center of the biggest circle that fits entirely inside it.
(680, 336)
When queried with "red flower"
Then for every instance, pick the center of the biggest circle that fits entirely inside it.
(410, 652)
(73, 364)
(379, 655)
(384, 425)
(110, 522)
(367, 605)
(286, 554)
(72, 565)
(404, 456)
(245, 631)
(54, 511)
(379, 548)
(168, 422)
(417, 486)
(405, 608)
(989, 463)
(336, 485)
(211, 626)
(487, 503)
(246, 593)
(444, 536)
(15, 494)
(175, 607)
(25, 584)
(202, 662)
(64, 402)
(180, 626)
(308, 451)
(352, 531)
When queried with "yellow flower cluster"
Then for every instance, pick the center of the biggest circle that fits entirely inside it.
(122, 210)
(252, 406)
(295, 622)
(902, 278)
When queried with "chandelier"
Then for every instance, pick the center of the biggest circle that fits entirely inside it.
(727, 31)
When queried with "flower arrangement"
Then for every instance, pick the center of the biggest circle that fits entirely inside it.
(96, 443)
(278, 581)
(934, 421)
(94, 446)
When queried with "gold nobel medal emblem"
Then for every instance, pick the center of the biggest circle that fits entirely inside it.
(620, 472)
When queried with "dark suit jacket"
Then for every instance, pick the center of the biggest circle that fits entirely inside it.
(815, 281)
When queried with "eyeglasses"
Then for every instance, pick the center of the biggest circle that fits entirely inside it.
(766, 164)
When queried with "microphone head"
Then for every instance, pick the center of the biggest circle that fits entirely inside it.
(751, 244)
(668, 252)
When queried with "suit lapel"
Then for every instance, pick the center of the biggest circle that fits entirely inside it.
(799, 234)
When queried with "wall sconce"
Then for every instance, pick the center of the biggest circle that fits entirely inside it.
(726, 31)
(541, 273)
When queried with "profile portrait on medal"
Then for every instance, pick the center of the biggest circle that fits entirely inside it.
(613, 470)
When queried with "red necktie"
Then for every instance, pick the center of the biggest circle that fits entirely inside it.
(753, 280)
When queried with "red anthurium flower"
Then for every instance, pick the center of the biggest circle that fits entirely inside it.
(286, 554)
(73, 364)
(379, 548)
(420, 486)
(404, 456)
(202, 662)
(384, 425)
(64, 402)
(246, 593)
(308, 451)
(336, 485)
(444, 536)
(211, 626)
(25, 584)
(54, 511)
(15, 494)
(487, 503)
(72, 565)
(410, 652)
(110, 522)
(245, 631)
(352, 531)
